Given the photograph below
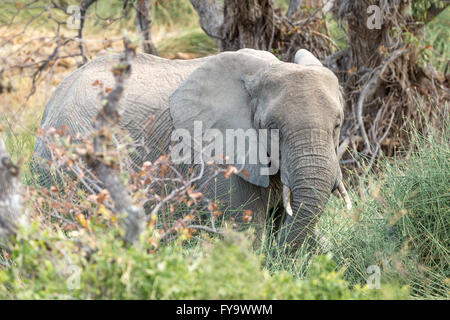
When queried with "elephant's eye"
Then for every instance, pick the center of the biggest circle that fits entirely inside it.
(337, 126)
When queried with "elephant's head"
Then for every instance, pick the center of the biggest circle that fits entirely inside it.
(253, 89)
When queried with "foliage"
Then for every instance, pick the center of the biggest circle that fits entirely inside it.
(398, 224)
(437, 49)
(45, 265)
(420, 7)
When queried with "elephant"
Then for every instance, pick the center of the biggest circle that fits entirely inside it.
(245, 89)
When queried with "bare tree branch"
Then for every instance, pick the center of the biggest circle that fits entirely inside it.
(84, 7)
(144, 25)
(109, 116)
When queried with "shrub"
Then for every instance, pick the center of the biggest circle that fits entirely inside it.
(45, 265)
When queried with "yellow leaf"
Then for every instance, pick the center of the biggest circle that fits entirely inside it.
(82, 220)
(102, 210)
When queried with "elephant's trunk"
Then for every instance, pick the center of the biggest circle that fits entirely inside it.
(313, 172)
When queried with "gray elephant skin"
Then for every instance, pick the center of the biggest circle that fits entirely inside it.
(231, 90)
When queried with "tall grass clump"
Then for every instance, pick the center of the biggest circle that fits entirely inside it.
(418, 194)
(400, 222)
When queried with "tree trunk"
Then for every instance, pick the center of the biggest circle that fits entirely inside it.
(10, 198)
(144, 24)
(364, 37)
(258, 24)
(210, 13)
(248, 24)
(294, 5)
(380, 73)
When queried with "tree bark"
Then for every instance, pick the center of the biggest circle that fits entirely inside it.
(10, 198)
(294, 5)
(258, 24)
(248, 24)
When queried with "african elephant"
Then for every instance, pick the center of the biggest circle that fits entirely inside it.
(231, 90)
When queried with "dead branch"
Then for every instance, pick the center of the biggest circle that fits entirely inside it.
(108, 117)
(83, 9)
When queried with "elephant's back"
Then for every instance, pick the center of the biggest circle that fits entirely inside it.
(75, 101)
(151, 82)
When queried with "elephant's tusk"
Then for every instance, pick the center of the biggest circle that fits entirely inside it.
(344, 195)
(287, 200)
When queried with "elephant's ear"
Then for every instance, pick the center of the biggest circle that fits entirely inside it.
(218, 95)
(305, 58)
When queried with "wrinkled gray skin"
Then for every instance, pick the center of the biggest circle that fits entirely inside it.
(243, 89)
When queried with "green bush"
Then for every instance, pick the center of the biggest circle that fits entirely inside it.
(44, 265)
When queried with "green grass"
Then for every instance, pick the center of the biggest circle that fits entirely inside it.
(192, 40)
(19, 145)
(175, 14)
(400, 221)
(20, 148)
